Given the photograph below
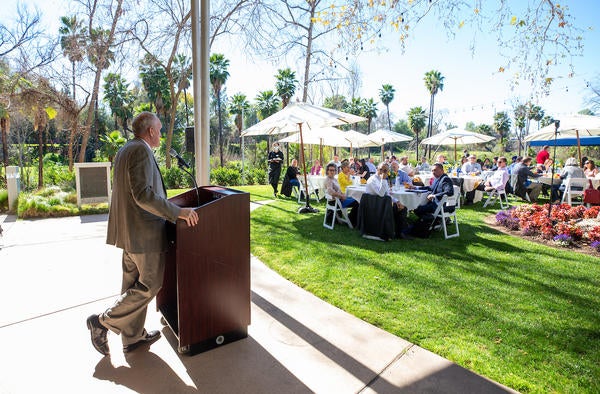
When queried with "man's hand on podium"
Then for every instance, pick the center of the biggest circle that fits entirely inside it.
(189, 215)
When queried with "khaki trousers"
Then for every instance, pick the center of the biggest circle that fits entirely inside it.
(142, 279)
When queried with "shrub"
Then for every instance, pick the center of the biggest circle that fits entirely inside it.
(175, 178)
(3, 200)
(58, 175)
(225, 176)
(53, 202)
(260, 176)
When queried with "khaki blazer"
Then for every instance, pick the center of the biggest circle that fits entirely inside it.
(139, 207)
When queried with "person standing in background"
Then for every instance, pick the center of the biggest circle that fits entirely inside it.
(275, 159)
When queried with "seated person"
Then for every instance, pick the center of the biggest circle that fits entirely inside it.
(520, 182)
(344, 179)
(570, 170)
(471, 166)
(406, 167)
(590, 170)
(316, 168)
(424, 166)
(402, 178)
(442, 185)
(332, 188)
(371, 166)
(497, 181)
(441, 159)
(290, 179)
(487, 164)
(378, 185)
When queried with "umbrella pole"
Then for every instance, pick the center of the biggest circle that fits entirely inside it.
(307, 208)
(578, 145)
(556, 126)
(455, 162)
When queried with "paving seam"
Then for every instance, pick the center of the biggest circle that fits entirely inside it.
(378, 376)
(60, 310)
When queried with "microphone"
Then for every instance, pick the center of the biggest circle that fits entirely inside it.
(184, 166)
(180, 161)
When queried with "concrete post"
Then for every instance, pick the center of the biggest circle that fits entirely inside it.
(13, 184)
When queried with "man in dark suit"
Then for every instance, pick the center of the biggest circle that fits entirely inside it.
(441, 186)
(136, 223)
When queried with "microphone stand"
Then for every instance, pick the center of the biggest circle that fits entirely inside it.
(183, 166)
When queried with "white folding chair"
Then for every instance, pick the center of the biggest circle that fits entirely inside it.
(337, 212)
(311, 190)
(574, 187)
(446, 210)
(497, 194)
(457, 194)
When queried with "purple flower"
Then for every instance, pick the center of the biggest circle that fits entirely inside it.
(596, 245)
(563, 239)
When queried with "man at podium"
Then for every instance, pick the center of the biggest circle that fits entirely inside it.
(137, 224)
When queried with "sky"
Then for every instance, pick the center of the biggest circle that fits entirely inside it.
(473, 89)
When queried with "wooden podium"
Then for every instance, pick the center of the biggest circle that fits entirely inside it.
(205, 297)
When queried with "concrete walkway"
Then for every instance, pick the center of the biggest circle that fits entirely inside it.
(56, 272)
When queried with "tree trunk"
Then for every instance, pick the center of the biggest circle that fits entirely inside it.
(4, 129)
(309, 39)
(389, 121)
(220, 126)
(99, 68)
(73, 74)
(40, 158)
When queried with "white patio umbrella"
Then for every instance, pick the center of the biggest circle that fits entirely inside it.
(569, 126)
(294, 117)
(457, 137)
(328, 136)
(383, 136)
(358, 140)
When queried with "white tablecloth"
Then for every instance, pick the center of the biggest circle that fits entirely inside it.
(411, 200)
(557, 181)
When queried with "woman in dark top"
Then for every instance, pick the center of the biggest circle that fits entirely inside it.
(290, 179)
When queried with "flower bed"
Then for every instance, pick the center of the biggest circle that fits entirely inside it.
(567, 226)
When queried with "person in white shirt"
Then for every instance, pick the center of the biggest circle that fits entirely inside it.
(378, 184)
(406, 167)
(497, 181)
(471, 166)
(337, 162)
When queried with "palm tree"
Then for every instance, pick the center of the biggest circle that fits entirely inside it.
(112, 141)
(521, 120)
(267, 103)
(218, 77)
(119, 99)
(72, 42)
(502, 126)
(386, 94)
(369, 111)
(239, 105)
(434, 82)
(416, 122)
(285, 85)
(355, 107)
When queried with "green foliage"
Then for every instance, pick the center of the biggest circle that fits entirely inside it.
(175, 178)
(54, 158)
(58, 175)
(3, 200)
(256, 176)
(225, 176)
(53, 202)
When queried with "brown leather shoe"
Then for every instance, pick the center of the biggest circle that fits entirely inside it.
(98, 334)
(149, 339)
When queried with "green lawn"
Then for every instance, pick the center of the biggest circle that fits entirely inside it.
(523, 314)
